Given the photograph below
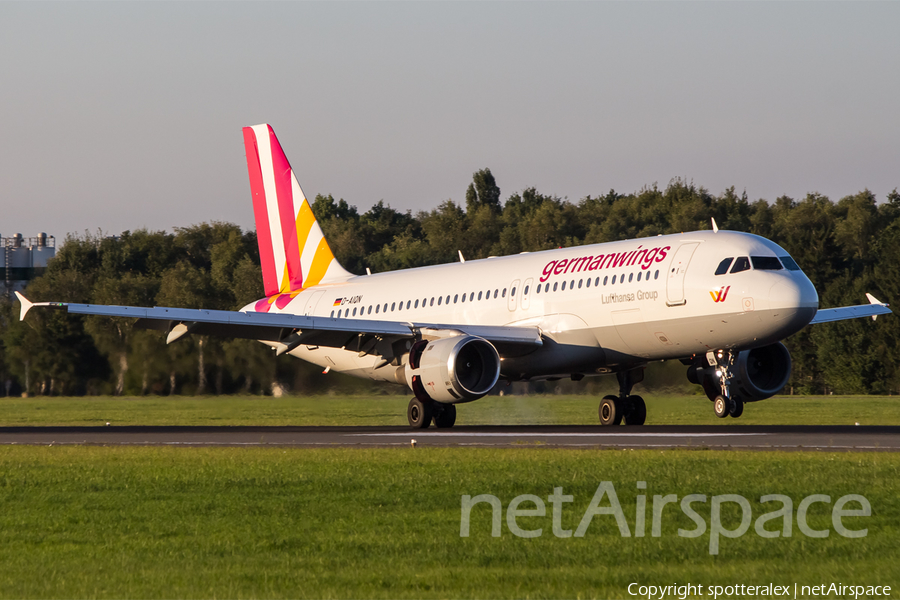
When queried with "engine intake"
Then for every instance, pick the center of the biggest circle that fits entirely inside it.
(453, 370)
(762, 372)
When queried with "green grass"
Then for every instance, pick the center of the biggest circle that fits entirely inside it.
(94, 522)
(391, 410)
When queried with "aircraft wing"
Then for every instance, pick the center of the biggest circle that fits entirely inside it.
(290, 331)
(874, 308)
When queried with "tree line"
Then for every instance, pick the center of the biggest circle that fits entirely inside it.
(847, 248)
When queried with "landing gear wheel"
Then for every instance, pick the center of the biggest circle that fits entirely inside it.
(419, 414)
(444, 416)
(610, 411)
(737, 407)
(635, 411)
(722, 406)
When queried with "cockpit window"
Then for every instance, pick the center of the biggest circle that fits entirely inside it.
(723, 266)
(789, 263)
(741, 264)
(766, 263)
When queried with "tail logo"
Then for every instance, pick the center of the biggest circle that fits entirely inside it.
(292, 249)
(720, 294)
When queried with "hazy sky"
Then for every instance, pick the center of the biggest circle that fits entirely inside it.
(126, 115)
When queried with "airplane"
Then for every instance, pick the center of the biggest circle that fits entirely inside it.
(718, 301)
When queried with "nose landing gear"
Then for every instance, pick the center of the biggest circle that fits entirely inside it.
(717, 384)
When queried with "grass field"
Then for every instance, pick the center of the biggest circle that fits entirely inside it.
(94, 522)
(391, 410)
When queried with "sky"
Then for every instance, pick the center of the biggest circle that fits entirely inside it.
(119, 116)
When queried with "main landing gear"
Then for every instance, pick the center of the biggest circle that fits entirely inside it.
(421, 413)
(624, 407)
(716, 380)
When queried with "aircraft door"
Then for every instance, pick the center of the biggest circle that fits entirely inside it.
(514, 292)
(311, 303)
(677, 269)
(526, 294)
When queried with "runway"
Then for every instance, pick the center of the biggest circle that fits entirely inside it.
(730, 437)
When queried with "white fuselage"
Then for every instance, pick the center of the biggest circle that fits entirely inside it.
(600, 308)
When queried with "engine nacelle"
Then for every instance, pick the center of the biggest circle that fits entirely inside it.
(452, 370)
(760, 373)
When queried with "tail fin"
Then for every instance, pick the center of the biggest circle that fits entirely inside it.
(292, 249)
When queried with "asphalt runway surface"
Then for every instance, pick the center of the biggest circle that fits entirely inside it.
(726, 437)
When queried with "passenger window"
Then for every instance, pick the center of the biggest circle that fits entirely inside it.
(563, 286)
(656, 275)
(393, 304)
(503, 295)
(332, 314)
(723, 266)
(526, 290)
(614, 280)
(555, 284)
(354, 312)
(605, 279)
(339, 313)
(455, 298)
(479, 295)
(408, 304)
(630, 277)
(439, 300)
(369, 311)
(495, 294)
(579, 283)
(377, 306)
(572, 285)
(416, 305)
(512, 294)
(471, 296)
(540, 285)
(385, 307)
(742, 263)
(789, 263)
(463, 297)
(765, 263)
(587, 283)
(639, 275)
(447, 301)
(432, 301)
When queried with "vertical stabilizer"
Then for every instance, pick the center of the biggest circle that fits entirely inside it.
(292, 249)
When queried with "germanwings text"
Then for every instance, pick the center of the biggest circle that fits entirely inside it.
(645, 258)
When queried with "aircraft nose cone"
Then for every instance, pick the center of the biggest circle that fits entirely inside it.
(795, 298)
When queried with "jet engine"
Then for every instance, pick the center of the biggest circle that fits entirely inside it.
(452, 370)
(756, 374)
(761, 372)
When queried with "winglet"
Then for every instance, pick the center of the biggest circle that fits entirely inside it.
(874, 300)
(26, 306)
(714, 225)
(462, 258)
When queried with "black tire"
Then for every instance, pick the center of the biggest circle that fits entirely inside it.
(722, 406)
(610, 411)
(737, 407)
(444, 416)
(635, 411)
(419, 414)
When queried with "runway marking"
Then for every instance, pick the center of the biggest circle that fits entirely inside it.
(505, 434)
